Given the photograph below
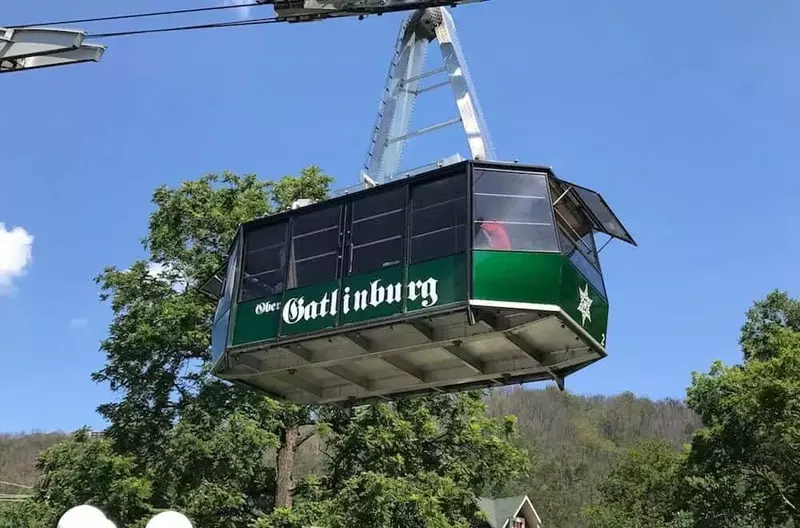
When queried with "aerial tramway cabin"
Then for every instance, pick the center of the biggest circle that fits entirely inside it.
(474, 275)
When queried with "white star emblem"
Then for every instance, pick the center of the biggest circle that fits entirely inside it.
(585, 306)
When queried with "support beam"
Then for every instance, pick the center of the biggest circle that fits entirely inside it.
(456, 349)
(290, 377)
(295, 379)
(535, 354)
(366, 350)
(401, 364)
(300, 351)
(360, 341)
(466, 357)
(424, 329)
(249, 362)
(397, 362)
(350, 377)
(528, 349)
(337, 370)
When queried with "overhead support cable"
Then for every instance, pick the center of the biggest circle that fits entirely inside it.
(139, 15)
(212, 25)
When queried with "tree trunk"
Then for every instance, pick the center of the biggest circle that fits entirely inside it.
(285, 467)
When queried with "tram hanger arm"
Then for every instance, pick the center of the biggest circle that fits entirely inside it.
(310, 10)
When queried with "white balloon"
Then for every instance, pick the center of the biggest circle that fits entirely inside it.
(83, 516)
(169, 519)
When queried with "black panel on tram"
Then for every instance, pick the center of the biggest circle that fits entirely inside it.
(264, 261)
(314, 254)
(438, 218)
(376, 231)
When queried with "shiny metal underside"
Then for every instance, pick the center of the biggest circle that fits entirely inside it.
(434, 354)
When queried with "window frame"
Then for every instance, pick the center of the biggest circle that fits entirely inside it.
(573, 191)
(285, 263)
(349, 248)
(535, 171)
(339, 249)
(569, 231)
(601, 288)
(234, 263)
(467, 175)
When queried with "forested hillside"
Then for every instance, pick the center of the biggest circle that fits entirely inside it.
(574, 441)
(18, 454)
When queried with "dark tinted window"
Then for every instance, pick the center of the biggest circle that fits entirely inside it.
(264, 262)
(224, 302)
(509, 183)
(512, 211)
(316, 221)
(378, 204)
(438, 218)
(314, 250)
(312, 271)
(584, 258)
(377, 230)
(219, 336)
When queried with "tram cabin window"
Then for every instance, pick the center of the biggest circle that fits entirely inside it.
(512, 211)
(314, 251)
(583, 254)
(264, 262)
(376, 231)
(224, 303)
(219, 329)
(438, 218)
(576, 234)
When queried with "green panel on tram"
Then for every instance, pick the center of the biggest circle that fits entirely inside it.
(473, 275)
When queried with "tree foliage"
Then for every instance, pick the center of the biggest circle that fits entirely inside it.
(179, 438)
(450, 436)
(743, 465)
(641, 491)
(422, 461)
(574, 442)
(746, 460)
(30, 514)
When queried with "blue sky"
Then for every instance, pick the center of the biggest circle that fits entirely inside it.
(683, 114)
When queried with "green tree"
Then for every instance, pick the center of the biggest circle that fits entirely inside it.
(642, 490)
(420, 462)
(765, 319)
(450, 435)
(745, 462)
(160, 331)
(743, 465)
(84, 470)
(209, 442)
(30, 514)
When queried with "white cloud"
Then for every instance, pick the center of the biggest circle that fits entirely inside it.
(16, 247)
(77, 322)
(243, 12)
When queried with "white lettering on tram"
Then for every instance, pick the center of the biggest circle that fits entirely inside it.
(267, 307)
(298, 309)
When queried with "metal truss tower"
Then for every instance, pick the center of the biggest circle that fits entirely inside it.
(391, 130)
